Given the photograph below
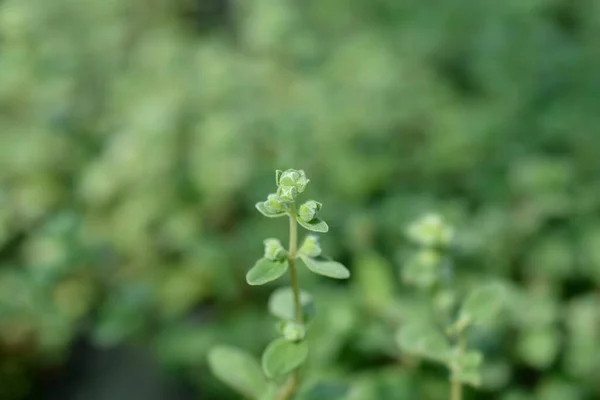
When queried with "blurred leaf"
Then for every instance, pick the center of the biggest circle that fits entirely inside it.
(238, 369)
(483, 304)
(469, 377)
(282, 357)
(334, 328)
(374, 279)
(123, 315)
(265, 271)
(557, 389)
(552, 257)
(325, 390)
(466, 367)
(539, 347)
(495, 375)
(583, 331)
(541, 303)
(516, 395)
(272, 393)
(391, 382)
(281, 304)
(423, 339)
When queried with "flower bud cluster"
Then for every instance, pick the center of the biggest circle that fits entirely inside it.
(274, 251)
(311, 246)
(293, 331)
(431, 231)
(432, 234)
(290, 184)
(291, 178)
(309, 210)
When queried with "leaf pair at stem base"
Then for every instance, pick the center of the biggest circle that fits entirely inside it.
(265, 270)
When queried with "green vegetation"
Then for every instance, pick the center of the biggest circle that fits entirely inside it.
(440, 332)
(136, 136)
(285, 355)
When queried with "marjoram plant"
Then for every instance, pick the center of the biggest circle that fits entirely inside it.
(441, 334)
(280, 377)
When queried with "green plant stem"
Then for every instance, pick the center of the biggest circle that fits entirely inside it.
(292, 263)
(456, 386)
(291, 385)
(456, 391)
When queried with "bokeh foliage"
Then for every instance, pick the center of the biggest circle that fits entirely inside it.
(136, 137)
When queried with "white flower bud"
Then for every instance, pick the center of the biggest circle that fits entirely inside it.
(287, 193)
(309, 210)
(292, 178)
(311, 246)
(293, 331)
(431, 230)
(274, 251)
(274, 204)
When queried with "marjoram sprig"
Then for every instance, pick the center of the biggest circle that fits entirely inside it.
(278, 377)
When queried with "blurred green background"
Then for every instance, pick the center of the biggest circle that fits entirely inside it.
(136, 136)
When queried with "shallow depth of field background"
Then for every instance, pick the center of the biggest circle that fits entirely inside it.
(136, 136)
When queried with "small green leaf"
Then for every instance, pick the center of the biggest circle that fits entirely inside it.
(260, 206)
(471, 359)
(468, 376)
(316, 225)
(466, 367)
(237, 369)
(265, 271)
(483, 304)
(282, 356)
(423, 339)
(281, 304)
(330, 269)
